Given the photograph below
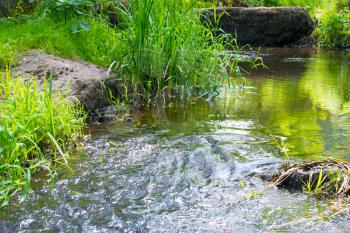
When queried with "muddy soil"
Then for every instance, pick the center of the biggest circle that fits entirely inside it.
(79, 80)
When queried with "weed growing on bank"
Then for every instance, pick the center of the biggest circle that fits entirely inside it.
(170, 50)
(37, 129)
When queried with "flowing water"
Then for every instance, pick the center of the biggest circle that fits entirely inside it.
(197, 166)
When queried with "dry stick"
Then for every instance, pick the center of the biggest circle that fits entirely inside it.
(284, 176)
(345, 186)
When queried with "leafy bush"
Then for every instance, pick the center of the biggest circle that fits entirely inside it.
(334, 30)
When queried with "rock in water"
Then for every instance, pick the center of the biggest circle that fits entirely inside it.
(262, 26)
(329, 177)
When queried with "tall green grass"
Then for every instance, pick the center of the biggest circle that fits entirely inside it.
(168, 49)
(38, 128)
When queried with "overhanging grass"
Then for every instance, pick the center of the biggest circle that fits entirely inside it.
(168, 49)
(37, 128)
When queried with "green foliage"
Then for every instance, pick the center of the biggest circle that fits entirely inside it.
(334, 30)
(66, 8)
(99, 45)
(36, 129)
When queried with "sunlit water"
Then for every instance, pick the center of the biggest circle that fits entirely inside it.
(197, 167)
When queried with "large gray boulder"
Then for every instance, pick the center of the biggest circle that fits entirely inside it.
(262, 26)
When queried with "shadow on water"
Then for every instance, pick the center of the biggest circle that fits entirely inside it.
(195, 167)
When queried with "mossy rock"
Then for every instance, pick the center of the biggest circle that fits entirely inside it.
(261, 26)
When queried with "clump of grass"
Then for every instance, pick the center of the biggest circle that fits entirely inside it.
(315, 186)
(169, 49)
(8, 54)
(37, 129)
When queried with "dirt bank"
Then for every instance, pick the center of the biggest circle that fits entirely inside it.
(78, 79)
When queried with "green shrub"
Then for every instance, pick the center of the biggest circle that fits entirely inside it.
(334, 28)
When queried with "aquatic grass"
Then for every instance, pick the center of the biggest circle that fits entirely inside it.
(38, 128)
(315, 188)
(332, 178)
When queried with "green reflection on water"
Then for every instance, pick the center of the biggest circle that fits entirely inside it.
(306, 100)
(303, 98)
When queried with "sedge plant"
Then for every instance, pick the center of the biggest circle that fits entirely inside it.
(38, 128)
(315, 186)
(170, 50)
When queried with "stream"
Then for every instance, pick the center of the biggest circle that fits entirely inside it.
(197, 166)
